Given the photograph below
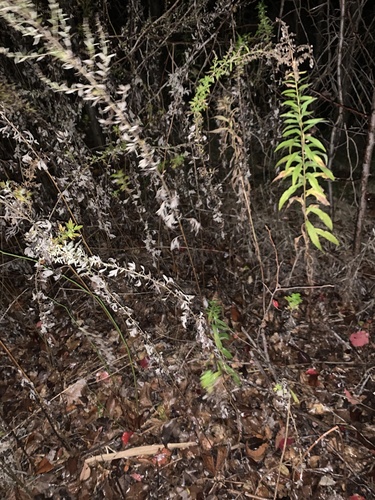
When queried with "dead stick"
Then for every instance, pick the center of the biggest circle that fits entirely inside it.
(140, 450)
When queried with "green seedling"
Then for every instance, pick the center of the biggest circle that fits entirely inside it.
(220, 332)
(68, 232)
(294, 301)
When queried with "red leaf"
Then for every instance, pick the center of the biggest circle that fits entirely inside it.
(289, 442)
(137, 477)
(356, 497)
(312, 371)
(103, 376)
(359, 339)
(126, 436)
(144, 362)
(275, 303)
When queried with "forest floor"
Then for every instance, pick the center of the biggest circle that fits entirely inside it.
(300, 424)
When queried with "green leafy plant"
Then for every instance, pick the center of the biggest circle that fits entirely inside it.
(237, 56)
(305, 161)
(265, 28)
(121, 180)
(174, 163)
(68, 232)
(220, 332)
(294, 301)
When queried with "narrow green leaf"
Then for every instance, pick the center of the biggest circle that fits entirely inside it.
(291, 104)
(289, 131)
(226, 353)
(296, 173)
(315, 142)
(328, 236)
(311, 122)
(328, 173)
(287, 194)
(293, 120)
(314, 182)
(288, 144)
(293, 158)
(311, 231)
(323, 216)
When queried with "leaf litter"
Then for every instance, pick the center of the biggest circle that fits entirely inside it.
(300, 424)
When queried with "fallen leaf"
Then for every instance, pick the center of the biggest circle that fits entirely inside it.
(144, 362)
(359, 339)
(235, 314)
(44, 466)
(356, 497)
(275, 304)
(289, 441)
(280, 440)
(327, 481)
(312, 371)
(162, 458)
(352, 399)
(74, 392)
(85, 472)
(126, 436)
(103, 376)
(258, 454)
(137, 477)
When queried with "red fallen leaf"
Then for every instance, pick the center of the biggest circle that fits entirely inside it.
(289, 441)
(126, 436)
(144, 362)
(356, 497)
(312, 377)
(103, 376)
(136, 477)
(359, 339)
(162, 458)
(312, 371)
(275, 304)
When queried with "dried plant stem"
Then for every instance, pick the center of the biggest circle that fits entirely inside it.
(140, 450)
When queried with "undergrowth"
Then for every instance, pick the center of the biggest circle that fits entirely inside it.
(158, 185)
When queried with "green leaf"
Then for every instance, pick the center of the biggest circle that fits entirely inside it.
(289, 144)
(311, 231)
(289, 131)
(287, 194)
(226, 353)
(328, 173)
(292, 105)
(296, 173)
(311, 123)
(323, 216)
(293, 158)
(291, 116)
(328, 236)
(231, 372)
(314, 182)
(209, 379)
